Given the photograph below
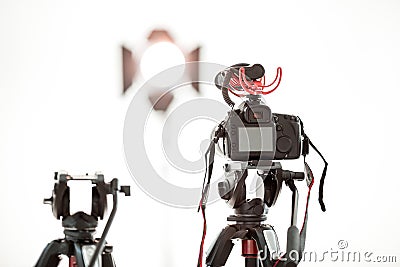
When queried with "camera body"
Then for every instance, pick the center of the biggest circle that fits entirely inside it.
(253, 132)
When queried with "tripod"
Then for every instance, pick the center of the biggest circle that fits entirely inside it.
(260, 246)
(79, 244)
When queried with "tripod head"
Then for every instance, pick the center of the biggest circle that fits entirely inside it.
(80, 227)
(233, 188)
(60, 199)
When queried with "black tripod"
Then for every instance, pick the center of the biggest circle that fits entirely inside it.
(250, 215)
(79, 244)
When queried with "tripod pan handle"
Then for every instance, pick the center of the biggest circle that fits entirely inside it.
(289, 175)
(293, 247)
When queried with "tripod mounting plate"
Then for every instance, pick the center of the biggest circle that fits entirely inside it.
(247, 218)
(80, 221)
(263, 165)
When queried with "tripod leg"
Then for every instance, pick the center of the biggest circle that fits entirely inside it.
(222, 247)
(250, 252)
(252, 262)
(107, 258)
(50, 256)
(78, 255)
(264, 256)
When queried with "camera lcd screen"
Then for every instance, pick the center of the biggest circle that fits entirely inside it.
(255, 139)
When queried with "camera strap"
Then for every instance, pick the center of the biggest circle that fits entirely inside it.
(306, 149)
(206, 186)
(310, 183)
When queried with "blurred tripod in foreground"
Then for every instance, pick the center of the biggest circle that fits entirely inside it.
(79, 244)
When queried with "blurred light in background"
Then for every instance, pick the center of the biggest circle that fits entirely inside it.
(158, 57)
(160, 53)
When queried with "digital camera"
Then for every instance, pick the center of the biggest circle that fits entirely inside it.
(253, 132)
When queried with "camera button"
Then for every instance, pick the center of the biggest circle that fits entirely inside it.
(279, 128)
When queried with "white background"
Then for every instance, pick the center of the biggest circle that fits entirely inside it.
(61, 108)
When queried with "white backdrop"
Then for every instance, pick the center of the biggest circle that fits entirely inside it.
(61, 108)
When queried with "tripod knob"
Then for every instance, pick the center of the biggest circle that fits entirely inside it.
(258, 210)
(48, 201)
(108, 249)
(126, 190)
